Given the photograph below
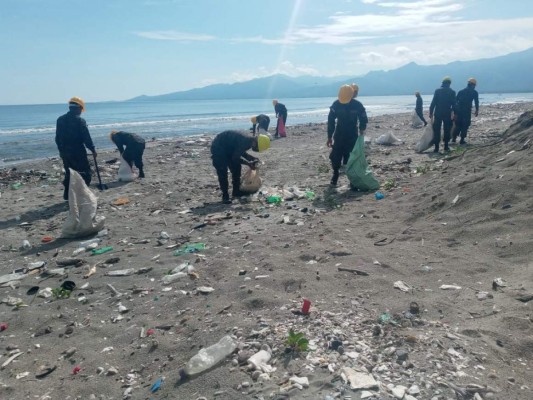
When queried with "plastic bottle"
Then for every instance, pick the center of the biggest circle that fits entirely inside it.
(102, 250)
(210, 356)
(274, 199)
(90, 241)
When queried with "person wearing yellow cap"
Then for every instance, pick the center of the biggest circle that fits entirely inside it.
(463, 116)
(72, 137)
(419, 108)
(229, 151)
(133, 153)
(260, 121)
(281, 112)
(344, 116)
(442, 106)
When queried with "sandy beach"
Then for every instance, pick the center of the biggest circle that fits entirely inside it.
(424, 294)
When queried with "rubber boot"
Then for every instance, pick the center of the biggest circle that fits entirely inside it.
(141, 173)
(436, 149)
(65, 194)
(334, 178)
(446, 147)
(225, 198)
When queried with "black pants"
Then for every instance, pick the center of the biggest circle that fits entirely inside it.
(133, 154)
(462, 123)
(222, 165)
(340, 151)
(421, 116)
(446, 123)
(284, 116)
(79, 163)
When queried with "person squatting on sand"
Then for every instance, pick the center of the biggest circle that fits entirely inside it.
(261, 122)
(442, 105)
(463, 116)
(228, 151)
(281, 112)
(133, 154)
(72, 136)
(342, 127)
(419, 108)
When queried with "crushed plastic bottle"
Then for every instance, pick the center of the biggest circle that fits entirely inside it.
(102, 250)
(16, 186)
(310, 195)
(274, 199)
(210, 356)
(190, 248)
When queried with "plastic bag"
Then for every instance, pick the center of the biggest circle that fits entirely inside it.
(125, 172)
(357, 169)
(426, 140)
(81, 220)
(281, 128)
(261, 131)
(388, 139)
(250, 181)
(416, 122)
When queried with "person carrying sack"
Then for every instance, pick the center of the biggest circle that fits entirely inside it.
(72, 137)
(133, 153)
(281, 114)
(343, 117)
(228, 151)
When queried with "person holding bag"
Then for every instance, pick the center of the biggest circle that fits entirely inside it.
(133, 153)
(229, 151)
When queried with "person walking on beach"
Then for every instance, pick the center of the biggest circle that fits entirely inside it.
(419, 108)
(442, 105)
(228, 151)
(72, 137)
(281, 112)
(344, 115)
(133, 154)
(463, 117)
(261, 122)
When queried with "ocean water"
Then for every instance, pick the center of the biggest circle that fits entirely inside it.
(28, 131)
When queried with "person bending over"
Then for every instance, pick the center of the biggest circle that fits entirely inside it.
(261, 122)
(134, 148)
(228, 151)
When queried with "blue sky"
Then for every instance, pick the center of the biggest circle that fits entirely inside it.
(118, 49)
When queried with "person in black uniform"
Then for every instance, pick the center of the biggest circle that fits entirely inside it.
(72, 137)
(419, 108)
(228, 151)
(133, 154)
(281, 112)
(442, 105)
(342, 127)
(463, 117)
(261, 122)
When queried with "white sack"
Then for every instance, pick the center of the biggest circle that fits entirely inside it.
(426, 140)
(416, 122)
(250, 181)
(388, 139)
(125, 172)
(81, 220)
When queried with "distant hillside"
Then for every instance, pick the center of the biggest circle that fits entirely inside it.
(505, 74)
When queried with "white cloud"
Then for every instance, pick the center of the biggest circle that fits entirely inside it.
(174, 35)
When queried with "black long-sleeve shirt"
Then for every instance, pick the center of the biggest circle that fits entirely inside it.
(72, 134)
(443, 102)
(346, 116)
(127, 139)
(262, 122)
(465, 97)
(280, 110)
(232, 145)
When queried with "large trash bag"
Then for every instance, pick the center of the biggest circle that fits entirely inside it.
(250, 181)
(281, 128)
(357, 169)
(388, 139)
(125, 172)
(416, 122)
(426, 140)
(81, 220)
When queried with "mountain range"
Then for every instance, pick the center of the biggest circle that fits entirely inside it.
(510, 73)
